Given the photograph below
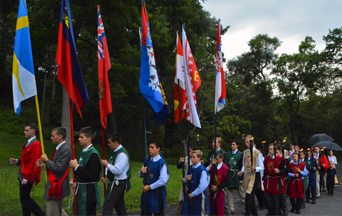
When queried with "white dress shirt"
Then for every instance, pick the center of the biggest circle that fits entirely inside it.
(120, 167)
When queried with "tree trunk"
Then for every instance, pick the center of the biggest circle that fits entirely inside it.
(65, 118)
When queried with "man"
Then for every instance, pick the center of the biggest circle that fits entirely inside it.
(57, 186)
(283, 176)
(233, 159)
(29, 172)
(196, 200)
(118, 176)
(251, 170)
(87, 172)
(296, 187)
(323, 165)
(311, 166)
(216, 148)
(273, 183)
(155, 176)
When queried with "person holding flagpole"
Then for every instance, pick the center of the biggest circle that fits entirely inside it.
(29, 172)
(87, 171)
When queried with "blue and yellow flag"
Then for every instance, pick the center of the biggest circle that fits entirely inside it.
(23, 79)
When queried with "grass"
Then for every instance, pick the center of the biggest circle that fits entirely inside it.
(10, 146)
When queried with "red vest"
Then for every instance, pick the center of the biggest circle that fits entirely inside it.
(273, 183)
(296, 188)
(28, 162)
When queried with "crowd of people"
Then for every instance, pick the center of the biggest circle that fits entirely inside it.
(208, 185)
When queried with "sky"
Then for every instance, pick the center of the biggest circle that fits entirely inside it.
(288, 20)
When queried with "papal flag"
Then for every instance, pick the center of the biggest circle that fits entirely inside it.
(23, 79)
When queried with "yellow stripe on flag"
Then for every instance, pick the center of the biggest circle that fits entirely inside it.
(22, 22)
(15, 71)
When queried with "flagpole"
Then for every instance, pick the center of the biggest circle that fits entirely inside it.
(40, 129)
(145, 128)
(103, 156)
(72, 140)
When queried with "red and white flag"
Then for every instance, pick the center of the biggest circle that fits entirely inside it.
(192, 82)
(179, 83)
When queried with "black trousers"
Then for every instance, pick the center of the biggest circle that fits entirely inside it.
(28, 205)
(272, 203)
(296, 204)
(330, 184)
(250, 208)
(321, 180)
(283, 208)
(116, 200)
(311, 193)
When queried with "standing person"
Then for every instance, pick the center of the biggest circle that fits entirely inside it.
(196, 199)
(296, 187)
(331, 178)
(57, 186)
(233, 159)
(332, 158)
(29, 172)
(316, 156)
(183, 164)
(303, 159)
(273, 182)
(311, 166)
(324, 166)
(155, 176)
(283, 177)
(118, 176)
(213, 152)
(87, 172)
(251, 170)
(217, 196)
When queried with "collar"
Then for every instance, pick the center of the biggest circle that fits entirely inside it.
(156, 158)
(272, 156)
(219, 165)
(59, 145)
(218, 149)
(197, 165)
(30, 140)
(296, 163)
(234, 152)
(117, 148)
(86, 149)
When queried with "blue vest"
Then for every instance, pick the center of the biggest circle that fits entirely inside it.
(194, 207)
(153, 201)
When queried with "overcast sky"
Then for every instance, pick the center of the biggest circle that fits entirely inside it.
(288, 20)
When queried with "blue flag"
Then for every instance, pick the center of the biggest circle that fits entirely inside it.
(149, 85)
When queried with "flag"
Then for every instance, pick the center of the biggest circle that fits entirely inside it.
(23, 79)
(104, 66)
(220, 85)
(192, 82)
(149, 85)
(179, 84)
(68, 69)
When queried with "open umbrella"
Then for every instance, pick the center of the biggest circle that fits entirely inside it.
(320, 137)
(328, 145)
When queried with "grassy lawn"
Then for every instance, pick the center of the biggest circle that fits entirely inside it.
(10, 145)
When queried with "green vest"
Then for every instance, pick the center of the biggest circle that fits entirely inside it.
(110, 176)
(234, 163)
(84, 157)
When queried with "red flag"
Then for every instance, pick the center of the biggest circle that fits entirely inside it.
(179, 84)
(192, 82)
(68, 69)
(104, 66)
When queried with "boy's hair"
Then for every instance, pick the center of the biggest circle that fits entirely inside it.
(115, 137)
(156, 142)
(61, 131)
(32, 126)
(199, 153)
(220, 155)
(88, 132)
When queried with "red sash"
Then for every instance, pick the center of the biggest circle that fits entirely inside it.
(56, 184)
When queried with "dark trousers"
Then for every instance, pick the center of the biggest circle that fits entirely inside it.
(283, 208)
(250, 208)
(296, 204)
(272, 203)
(321, 180)
(311, 193)
(330, 184)
(116, 200)
(28, 205)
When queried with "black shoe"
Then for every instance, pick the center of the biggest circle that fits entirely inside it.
(298, 212)
(292, 210)
(313, 202)
(307, 201)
